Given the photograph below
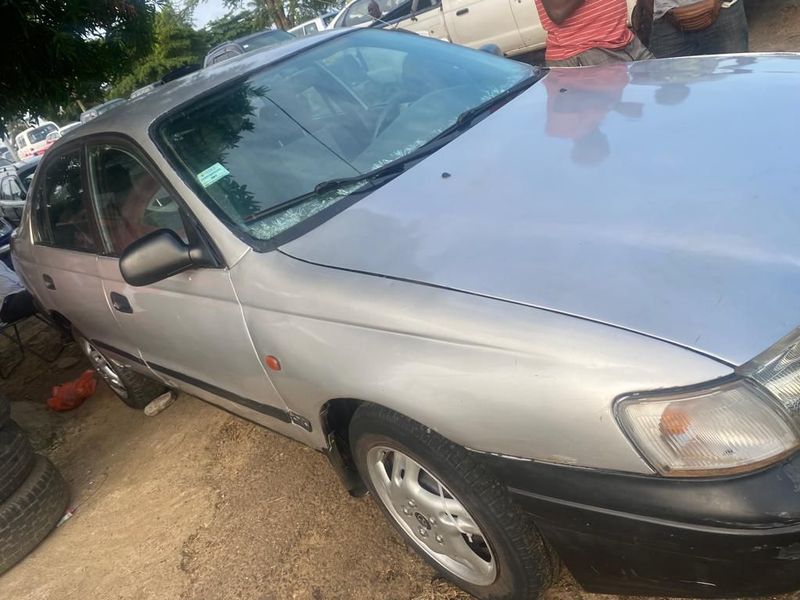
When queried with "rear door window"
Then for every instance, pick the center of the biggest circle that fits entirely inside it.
(61, 216)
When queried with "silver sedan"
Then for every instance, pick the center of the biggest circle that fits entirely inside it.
(542, 317)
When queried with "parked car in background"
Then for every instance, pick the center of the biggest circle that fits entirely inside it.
(15, 180)
(6, 154)
(98, 110)
(313, 26)
(6, 229)
(50, 140)
(248, 43)
(33, 141)
(513, 25)
(528, 340)
(145, 89)
(69, 127)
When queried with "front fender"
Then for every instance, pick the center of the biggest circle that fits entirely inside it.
(490, 375)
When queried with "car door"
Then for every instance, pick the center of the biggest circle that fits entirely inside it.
(65, 277)
(530, 27)
(189, 328)
(475, 23)
(428, 20)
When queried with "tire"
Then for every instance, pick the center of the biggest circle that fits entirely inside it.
(134, 389)
(513, 561)
(5, 410)
(31, 513)
(16, 459)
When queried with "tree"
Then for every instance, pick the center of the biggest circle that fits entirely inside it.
(61, 52)
(284, 14)
(175, 44)
(233, 25)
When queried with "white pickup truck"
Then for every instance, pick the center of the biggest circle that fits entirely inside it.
(513, 25)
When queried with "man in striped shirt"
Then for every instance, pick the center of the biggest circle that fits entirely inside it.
(588, 32)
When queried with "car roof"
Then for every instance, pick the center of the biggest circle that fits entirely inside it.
(135, 118)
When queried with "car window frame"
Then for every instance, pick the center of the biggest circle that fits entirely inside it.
(38, 191)
(127, 144)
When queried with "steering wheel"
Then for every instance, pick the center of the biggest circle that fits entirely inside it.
(392, 106)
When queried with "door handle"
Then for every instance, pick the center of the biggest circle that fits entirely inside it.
(48, 282)
(462, 11)
(120, 303)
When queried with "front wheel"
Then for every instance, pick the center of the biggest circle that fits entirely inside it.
(449, 507)
(134, 389)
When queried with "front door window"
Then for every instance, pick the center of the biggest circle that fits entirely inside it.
(130, 201)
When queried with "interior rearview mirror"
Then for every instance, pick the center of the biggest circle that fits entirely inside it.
(154, 257)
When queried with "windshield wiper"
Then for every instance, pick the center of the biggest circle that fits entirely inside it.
(372, 180)
(466, 118)
(378, 177)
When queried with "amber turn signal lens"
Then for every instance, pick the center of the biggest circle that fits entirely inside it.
(272, 363)
(674, 421)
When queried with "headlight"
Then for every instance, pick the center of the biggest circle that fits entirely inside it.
(731, 427)
(778, 370)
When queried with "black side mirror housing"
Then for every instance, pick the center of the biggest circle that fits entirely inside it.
(155, 257)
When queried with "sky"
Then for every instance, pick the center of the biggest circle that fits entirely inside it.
(208, 10)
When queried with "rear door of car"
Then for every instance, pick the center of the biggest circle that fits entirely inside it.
(428, 20)
(475, 23)
(528, 23)
(188, 327)
(66, 243)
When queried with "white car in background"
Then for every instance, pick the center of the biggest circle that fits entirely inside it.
(313, 26)
(511, 25)
(33, 141)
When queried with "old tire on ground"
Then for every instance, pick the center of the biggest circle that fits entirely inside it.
(449, 507)
(5, 410)
(16, 459)
(134, 389)
(31, 512)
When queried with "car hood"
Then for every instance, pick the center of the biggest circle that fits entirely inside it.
(662, 197)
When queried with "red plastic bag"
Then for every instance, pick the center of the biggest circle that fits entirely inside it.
(72, 394)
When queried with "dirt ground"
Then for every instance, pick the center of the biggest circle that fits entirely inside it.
(197, 504)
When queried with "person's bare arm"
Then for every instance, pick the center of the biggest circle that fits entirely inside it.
(560, 10)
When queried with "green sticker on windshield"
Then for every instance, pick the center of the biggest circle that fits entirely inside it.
(212, 174)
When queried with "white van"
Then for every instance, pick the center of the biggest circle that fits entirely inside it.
(512, 25)
(314, 25)
(33, 141)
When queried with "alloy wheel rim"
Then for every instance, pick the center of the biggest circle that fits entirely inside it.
(431, 515)
(105, 369)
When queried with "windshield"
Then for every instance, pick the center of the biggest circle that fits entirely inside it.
(40, 133)
(338, 110)
(268, 38)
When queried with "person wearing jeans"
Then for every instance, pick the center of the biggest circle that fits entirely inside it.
(588, 32)
(726, 35)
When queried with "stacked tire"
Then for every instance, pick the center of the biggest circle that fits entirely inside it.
(33, 495)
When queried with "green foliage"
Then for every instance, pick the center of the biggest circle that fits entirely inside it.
(175, 44)
(283, 14)
(231, 26)
(57, 52)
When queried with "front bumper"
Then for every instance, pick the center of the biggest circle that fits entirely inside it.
(629, 534)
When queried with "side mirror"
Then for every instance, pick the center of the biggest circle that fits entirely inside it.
(156, 256)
